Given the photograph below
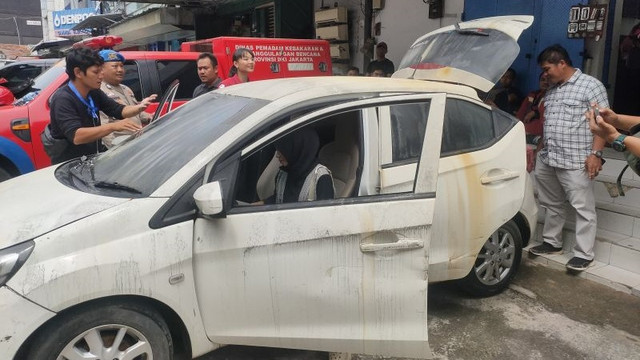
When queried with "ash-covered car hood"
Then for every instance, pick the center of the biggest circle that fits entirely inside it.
(36, 203)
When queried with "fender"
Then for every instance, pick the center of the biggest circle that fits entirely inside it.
(16, 155)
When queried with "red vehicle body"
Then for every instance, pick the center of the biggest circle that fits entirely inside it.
(147, 72)
(274, 58)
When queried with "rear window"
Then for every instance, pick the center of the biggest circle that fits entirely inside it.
(471, 50)
(467, 127)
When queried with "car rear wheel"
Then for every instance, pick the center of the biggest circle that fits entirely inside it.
(496, 263)
(111, 332)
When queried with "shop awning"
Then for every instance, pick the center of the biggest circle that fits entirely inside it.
(160, 24)
(59, 42)
(98, 21)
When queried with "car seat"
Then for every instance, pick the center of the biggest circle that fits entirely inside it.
(342, 156)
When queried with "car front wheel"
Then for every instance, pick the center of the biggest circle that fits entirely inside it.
(111, 332)
(496, 263)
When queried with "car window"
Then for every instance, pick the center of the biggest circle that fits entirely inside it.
(408, 124)
(338, 149)
(503, 122)
(467, 127)
(184, 71)
(22, 72)
(132, 78)
(146, 160)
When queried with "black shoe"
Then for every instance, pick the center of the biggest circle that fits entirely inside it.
(545, 249)
(578, 264)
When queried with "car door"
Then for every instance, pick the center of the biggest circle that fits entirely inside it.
(482, 181)
(342, 275)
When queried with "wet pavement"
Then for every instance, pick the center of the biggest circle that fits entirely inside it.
(545, 314)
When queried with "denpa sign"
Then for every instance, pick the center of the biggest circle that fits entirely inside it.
(66, 19)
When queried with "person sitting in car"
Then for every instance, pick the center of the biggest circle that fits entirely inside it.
(301, 177)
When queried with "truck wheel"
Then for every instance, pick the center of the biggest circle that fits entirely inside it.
(4, 175)
(108, 332)
(496, 263)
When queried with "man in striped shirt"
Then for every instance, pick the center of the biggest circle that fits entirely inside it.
(571, 156)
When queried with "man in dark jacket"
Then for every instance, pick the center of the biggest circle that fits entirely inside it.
(75, 108)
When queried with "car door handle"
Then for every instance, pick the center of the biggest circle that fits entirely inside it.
(404, 244)
(498, 175)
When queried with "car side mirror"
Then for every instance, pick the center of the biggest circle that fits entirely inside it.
(208, 198)
(6, 96)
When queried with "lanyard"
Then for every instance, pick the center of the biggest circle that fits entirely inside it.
(91, 107)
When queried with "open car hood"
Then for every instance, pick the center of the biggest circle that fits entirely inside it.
(474, 53)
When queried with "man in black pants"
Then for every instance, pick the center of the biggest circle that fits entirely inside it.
(75, 107)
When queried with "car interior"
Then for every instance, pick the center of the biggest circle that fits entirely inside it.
(339, 151)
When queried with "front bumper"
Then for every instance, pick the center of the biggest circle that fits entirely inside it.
(19, 318)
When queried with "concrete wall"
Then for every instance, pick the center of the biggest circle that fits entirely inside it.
(401, 22)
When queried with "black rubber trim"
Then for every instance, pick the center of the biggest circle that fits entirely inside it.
(180, 207)
(333, 202)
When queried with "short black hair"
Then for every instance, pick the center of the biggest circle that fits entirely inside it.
(208, 55)
(82, 58)
(513, 72)
(553, 54)
(354, 68)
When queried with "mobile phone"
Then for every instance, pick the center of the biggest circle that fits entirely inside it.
(596, 112)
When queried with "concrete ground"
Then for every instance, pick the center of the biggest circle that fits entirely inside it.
(545, 314)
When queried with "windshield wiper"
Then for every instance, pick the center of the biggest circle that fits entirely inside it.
(79, 169)
(116, 186)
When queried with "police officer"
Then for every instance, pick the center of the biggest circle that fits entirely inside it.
(113, 70)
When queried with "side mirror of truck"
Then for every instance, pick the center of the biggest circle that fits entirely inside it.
(208, 199)
(6, 96)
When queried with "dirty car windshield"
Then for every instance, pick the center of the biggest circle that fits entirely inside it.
(483, 52)
(165, 146)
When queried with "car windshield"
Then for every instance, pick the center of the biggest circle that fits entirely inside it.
(471, 50)
(41, 82)
(146, 160)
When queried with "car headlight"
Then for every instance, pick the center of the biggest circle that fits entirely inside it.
(12, 258)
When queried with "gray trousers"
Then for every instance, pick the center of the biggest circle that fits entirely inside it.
(555, 186)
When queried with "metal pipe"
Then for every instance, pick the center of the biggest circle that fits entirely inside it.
(17, 30)
(368, 15)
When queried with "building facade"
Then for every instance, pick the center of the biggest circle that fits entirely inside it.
(20, 22)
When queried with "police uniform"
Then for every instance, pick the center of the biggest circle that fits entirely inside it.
(122, 94)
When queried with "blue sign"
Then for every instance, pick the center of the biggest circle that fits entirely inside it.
(64, 20)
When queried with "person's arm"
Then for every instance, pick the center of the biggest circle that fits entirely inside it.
(524, 113)
(593, 164)
(133, 110)
(620, 121)
(608, 132)
(324, 188)
(86, 135)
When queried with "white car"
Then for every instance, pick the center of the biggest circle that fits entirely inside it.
(145, 251)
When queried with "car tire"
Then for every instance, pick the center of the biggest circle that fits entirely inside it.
(134, 328)
(4, 175)
(497, 262)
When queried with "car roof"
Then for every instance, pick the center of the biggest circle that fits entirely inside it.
(303, 88)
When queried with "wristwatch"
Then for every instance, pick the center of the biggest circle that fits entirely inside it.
(597, 153)
(618, 144)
